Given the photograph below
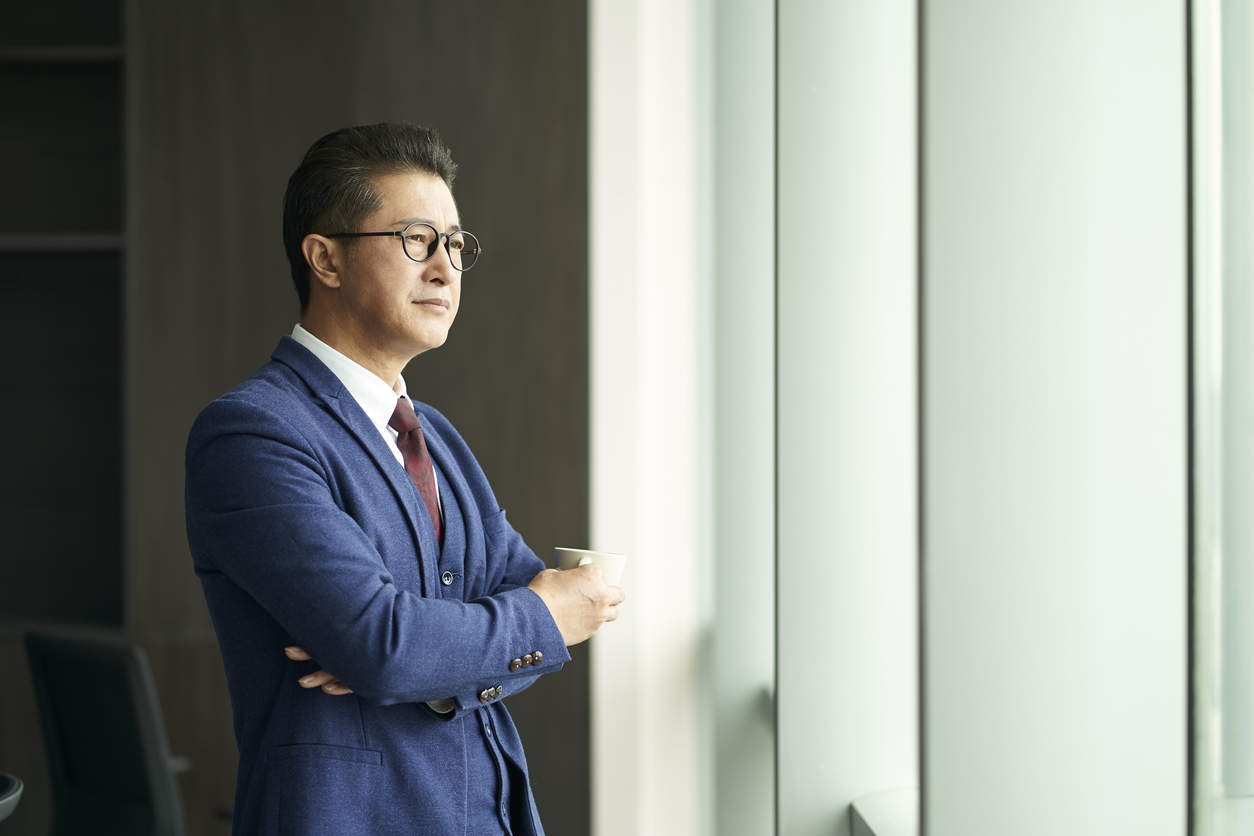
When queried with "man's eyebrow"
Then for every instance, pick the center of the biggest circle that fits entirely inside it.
(408, 221)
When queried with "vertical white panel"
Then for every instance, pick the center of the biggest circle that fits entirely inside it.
(744, 418)
(648, 445)
(1233, 331)
(1223, 200)
(847, 689)
(1208, 799)
(1054, 233)
(614, 481)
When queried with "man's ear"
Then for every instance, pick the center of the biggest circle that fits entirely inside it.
(325, 258)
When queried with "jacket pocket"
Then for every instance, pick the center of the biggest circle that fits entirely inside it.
(324, 788)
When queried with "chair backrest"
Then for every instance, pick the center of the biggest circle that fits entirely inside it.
(108, 756)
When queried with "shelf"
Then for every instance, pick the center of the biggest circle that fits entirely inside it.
(61, 242)
(59, 54)
(63, 150)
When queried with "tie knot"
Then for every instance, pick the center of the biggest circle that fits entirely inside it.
(403, 418)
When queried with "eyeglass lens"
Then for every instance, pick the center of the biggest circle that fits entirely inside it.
(421, 240)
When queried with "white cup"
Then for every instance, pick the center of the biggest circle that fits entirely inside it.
(611, 564)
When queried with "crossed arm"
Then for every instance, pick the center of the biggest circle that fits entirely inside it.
(578, 599)
(261, 511)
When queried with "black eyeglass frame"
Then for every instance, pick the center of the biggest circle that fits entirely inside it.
(476, 249)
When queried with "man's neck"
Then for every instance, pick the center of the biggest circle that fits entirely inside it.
(386, 368)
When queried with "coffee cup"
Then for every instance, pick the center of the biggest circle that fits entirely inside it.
(611, 564)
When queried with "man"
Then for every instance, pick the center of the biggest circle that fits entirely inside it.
(332, 519)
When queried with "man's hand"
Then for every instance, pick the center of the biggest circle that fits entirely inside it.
(324, 679)
(578, 599)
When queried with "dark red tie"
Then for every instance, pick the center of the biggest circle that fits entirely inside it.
(417, 460)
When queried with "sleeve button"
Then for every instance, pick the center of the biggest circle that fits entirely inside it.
(536, 657)
(485, 695)
(515, 666)
(526, 660)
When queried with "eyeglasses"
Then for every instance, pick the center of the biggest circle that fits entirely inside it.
(421, 239)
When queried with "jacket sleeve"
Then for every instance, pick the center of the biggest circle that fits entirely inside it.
(262, 510)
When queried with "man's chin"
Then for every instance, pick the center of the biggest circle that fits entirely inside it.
(428, 342)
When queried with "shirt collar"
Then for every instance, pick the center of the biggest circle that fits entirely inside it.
(376, 398)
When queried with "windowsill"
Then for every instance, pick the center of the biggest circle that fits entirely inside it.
(888, 813)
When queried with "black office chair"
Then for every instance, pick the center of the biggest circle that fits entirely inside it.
(108, 756)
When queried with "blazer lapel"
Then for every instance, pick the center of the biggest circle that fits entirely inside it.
(339, 402)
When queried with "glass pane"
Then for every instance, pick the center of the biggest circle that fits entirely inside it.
(1223, 234)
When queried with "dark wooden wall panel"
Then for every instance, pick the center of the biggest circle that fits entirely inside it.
(192, 685)
(60, 421)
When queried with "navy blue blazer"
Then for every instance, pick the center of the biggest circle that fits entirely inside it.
(305, 530)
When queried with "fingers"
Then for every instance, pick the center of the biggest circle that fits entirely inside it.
(318, 679)
(579, 600)
(609, 596)
(616, 600)
(581, 569)
(337, 688)
(326, 681)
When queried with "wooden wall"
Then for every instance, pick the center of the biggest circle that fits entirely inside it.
(61, 164)
(222, 100)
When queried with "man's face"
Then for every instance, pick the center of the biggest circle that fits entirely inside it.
(400, 307)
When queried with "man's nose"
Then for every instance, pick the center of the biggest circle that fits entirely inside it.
(440, 264)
